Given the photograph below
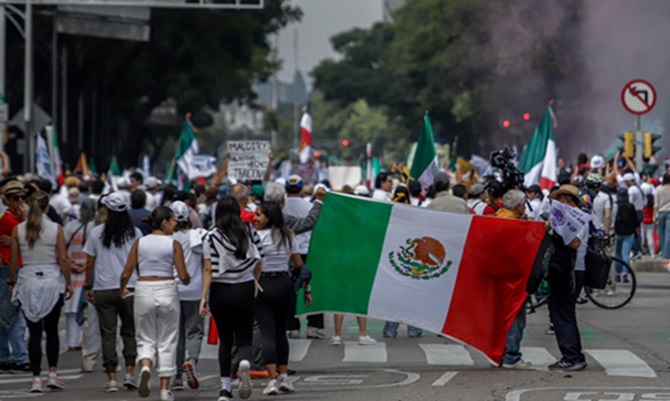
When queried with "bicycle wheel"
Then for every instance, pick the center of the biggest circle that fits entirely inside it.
(620, 287)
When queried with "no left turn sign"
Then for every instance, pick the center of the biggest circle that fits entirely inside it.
(638, 96)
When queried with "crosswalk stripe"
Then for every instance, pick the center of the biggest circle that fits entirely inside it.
(447, 354)
(298, 349)
(353, 352)
(444, 379)
(30, 379)
(621, 363)
(538, 356)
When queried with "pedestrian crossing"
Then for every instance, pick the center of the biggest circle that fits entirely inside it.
(615, 362)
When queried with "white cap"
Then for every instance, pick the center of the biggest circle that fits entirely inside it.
(597, 161)
(115, 202)
(362, 190)
(151, 183)
(629, 177)
(180, 210)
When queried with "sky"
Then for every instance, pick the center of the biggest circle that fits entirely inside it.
(322, 19)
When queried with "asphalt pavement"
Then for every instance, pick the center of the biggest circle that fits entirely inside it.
(627, 350)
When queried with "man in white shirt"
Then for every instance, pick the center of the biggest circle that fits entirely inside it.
(383, 185)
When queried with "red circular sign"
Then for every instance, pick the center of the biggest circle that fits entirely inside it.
(638, 96)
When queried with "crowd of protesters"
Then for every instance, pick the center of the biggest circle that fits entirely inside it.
(150, 262)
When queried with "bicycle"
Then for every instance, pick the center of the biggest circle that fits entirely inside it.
(621, 284)
(618, 292)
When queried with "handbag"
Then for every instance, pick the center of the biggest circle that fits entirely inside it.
(598, 267)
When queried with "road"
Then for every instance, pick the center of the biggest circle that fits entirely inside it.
(628, 352)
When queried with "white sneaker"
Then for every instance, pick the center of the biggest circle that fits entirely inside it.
(111, 387)
(36, 385)
(336, 340)
(313, 332)
(129, 382)
(245, 389)
(144, 388)
(53, 383)
(520, 364)
(366, 340)
(294, 334)
(285, 386)
(166, 395)
(271, 388)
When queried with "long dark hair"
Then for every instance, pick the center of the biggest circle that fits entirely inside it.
(273, 212)
(38, 201)
(158, 216)
(119, 229)
(231, 225)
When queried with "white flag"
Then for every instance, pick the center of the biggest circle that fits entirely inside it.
(43, 161)
(201, 166)
(568, 222)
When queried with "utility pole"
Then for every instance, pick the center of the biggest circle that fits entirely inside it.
(3, 48)
(296, 129)
(29, 156)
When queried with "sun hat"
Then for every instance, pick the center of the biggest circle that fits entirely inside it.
(14, 187)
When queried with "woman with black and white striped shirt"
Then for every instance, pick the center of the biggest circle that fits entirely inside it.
(231, 265)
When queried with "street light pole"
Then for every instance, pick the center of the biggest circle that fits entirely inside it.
(28, 157)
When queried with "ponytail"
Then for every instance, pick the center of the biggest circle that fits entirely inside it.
(38, 201)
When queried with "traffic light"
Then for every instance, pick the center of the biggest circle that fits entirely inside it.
(628, 139)
(649, 148)
(526, 116)
(505, 123)
(345, 142)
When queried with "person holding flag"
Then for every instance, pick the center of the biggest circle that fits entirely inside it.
(538, 160)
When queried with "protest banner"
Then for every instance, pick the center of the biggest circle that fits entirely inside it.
(248, 159)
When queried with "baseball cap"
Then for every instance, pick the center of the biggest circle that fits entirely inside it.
(476, 189)
(257, 191)
(151, 183)
(597, 161)
(629, 177)
(294, 183)
(115, 202)
(361, 190)
(180, 210)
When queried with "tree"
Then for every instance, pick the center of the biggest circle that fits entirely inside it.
(197, 57)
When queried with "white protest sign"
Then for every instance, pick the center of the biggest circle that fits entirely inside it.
(248, 159)
(568, 222)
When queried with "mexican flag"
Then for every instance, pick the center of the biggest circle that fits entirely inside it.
(305, 136)
(425, 164)
(56, 162)
(538, 159)
(370, 167)
(460, 275)
(187, 148)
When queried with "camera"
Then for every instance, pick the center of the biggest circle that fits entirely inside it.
(511, 176)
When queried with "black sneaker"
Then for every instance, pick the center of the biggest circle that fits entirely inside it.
(625, 278)
(565, 366)
(21, 367)
(290, 372)
(225, 395)
(6, 367)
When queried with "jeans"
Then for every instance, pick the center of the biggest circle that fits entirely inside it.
(391, 330)
(14, 337)
(624, 244)
(663, 226)
(191, 332)
(514, 336)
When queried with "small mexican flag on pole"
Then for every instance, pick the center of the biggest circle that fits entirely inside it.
(425, 164)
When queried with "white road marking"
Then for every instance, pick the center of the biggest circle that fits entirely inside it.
(538, 356)
(621, 362)
(353, 352)
(30, 379)
(298, 348)
(444, 379)
(447, 354)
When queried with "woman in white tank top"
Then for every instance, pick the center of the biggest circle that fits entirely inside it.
(156, 305)
(42, 281)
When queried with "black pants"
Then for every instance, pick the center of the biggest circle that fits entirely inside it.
(49, 324)
(273, 308)
(563, 316)
(232, 306)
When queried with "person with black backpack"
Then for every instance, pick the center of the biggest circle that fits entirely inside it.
(626, 226)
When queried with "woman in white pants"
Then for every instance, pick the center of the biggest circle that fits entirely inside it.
(156, 306)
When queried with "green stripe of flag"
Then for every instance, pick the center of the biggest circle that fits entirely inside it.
(352, 272)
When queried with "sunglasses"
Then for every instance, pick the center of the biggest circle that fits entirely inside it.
(18, 198)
